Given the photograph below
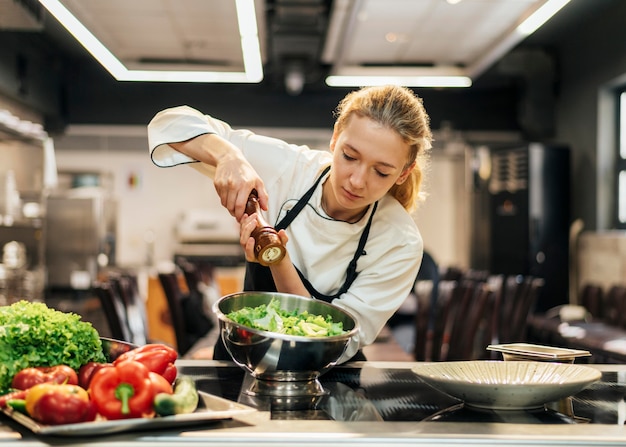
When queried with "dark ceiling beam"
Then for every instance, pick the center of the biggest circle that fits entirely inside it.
(94, 97)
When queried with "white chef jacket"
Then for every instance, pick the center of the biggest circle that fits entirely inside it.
(319, 246)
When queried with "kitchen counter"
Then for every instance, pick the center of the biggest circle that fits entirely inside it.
(371, 403)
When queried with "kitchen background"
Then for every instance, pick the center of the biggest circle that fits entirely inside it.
(557, 86)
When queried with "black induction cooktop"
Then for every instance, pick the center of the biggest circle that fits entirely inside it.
(367, 393)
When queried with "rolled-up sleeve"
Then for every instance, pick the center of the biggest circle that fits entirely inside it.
(171, 126)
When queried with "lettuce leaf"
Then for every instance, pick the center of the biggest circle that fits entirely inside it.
(270, 317)
(32, 334)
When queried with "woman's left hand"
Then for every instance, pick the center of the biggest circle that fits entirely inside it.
(247, 225)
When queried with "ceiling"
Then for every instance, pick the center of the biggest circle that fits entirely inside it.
(302, 41)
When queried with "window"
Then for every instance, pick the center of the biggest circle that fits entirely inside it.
(621, 162)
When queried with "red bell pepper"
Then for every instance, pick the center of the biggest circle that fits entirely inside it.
(160, 383)
(29, 377)
(53, 403)
(157, 357)
(123, 391)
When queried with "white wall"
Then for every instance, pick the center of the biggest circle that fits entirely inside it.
(154, 205)
(443, 218)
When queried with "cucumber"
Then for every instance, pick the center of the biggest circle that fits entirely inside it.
(184, 399)
(18, 405)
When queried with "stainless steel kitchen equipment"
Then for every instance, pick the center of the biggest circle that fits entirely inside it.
(27, 172)
(210, 236)
(81, 224)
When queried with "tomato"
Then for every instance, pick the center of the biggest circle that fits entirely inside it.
(30, 377)
(52, 403)
(86, 372)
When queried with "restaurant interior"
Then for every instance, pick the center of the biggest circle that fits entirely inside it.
(531, 125)
(524, 217)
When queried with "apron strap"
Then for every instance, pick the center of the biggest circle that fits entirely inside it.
(351, 273)
(293, 212)
(258, 277)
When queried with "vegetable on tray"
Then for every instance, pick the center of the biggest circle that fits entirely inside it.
(157, 357)
(123, 391)
(270, 317)
(53, 403)
(32, 334)
(184, 400)
(29, 377)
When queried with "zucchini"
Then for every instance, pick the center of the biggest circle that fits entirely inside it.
(184, 399)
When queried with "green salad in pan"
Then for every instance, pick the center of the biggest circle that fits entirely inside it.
(270, 317)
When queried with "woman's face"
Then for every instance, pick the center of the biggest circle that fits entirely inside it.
(368, 159)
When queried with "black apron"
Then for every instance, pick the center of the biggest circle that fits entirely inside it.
(259, 277)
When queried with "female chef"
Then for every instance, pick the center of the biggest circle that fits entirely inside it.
(343, 214)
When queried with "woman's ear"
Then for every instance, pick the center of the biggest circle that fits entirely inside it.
(405, 173)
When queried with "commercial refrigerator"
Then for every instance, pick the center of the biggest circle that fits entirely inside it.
(521, 215)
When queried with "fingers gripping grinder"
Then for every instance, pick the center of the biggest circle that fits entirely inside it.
(268, 248)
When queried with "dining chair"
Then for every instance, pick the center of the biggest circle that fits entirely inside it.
(126, 287)
(510, 295)
(526, 299)
(114, 310)
(473, 315)
(592, 299)
(454, 325)
(615, 306)
(437, 336)
(170, 282)
(490, 331)
(423, 291)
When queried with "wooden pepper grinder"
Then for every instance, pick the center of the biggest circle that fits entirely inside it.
(268, 248)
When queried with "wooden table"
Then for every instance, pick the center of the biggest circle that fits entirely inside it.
(606, 343)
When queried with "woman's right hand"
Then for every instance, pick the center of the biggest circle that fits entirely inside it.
(234, 180)
(234, 176)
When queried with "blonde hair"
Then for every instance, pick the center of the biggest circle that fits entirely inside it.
(399, 109)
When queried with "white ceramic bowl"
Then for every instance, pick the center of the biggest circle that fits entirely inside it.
(507, 385)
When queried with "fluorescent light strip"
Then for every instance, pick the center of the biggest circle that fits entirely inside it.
(250, 47)
(408, 81)
(439, 76)
(540, 16)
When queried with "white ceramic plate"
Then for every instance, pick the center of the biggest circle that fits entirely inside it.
(507, 385)
(210, 408)
(527, 351)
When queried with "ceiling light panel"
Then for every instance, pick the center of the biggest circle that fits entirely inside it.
(173, 31)
(454, 42)
(163, 40)
(470, 28)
